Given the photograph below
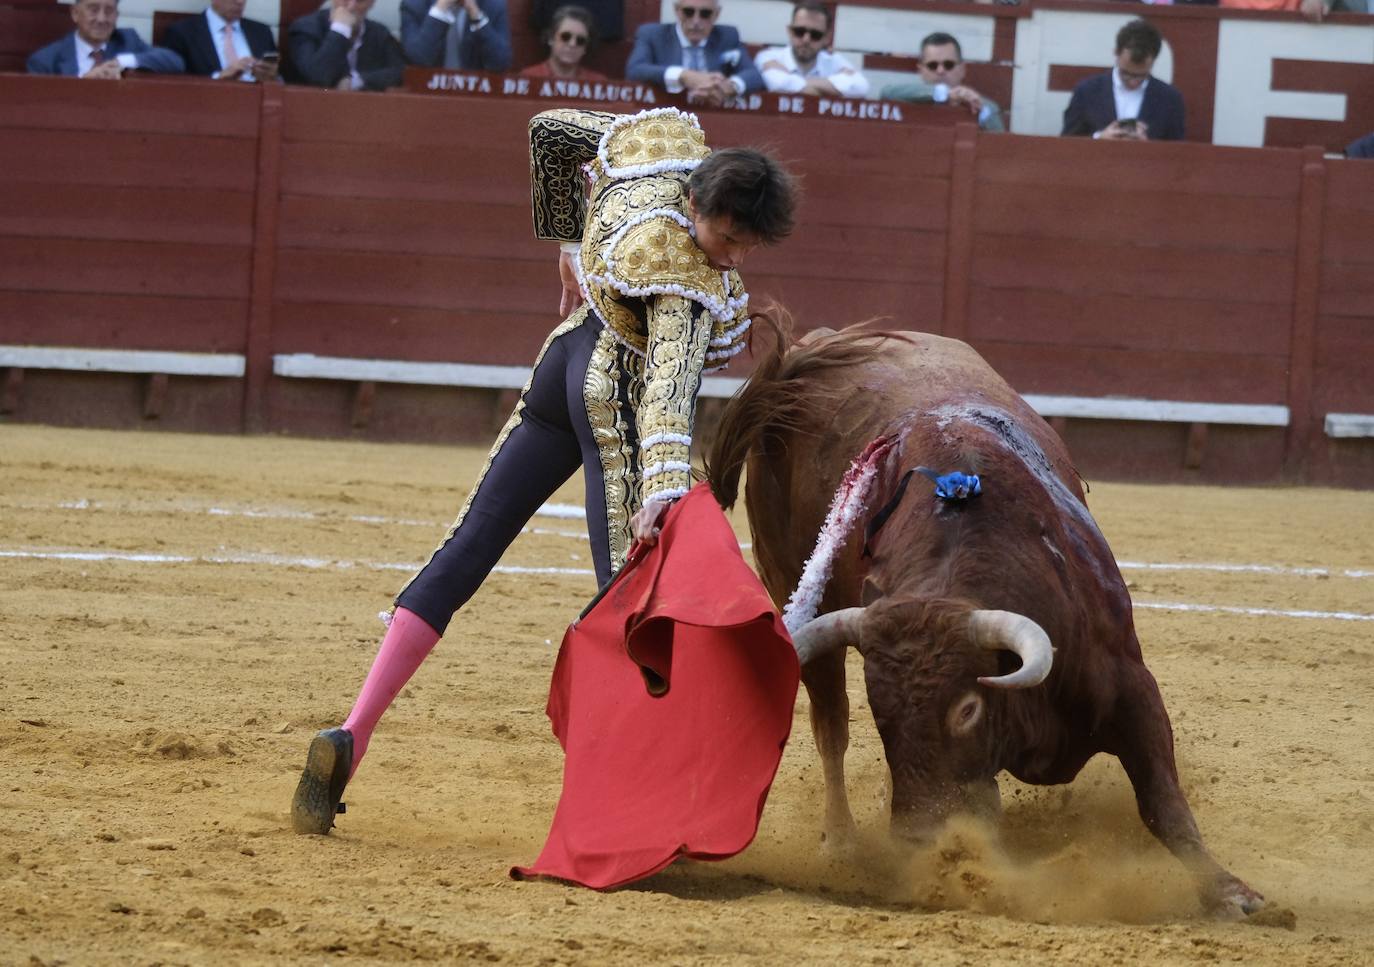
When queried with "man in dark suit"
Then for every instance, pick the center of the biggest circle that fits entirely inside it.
(1127, 104)
(220, 43)
(694, 54)
(96, 49)
(339, 47)
(463, 34)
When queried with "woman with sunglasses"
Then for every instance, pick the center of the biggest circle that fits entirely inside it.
(570, 37)
(653, 226)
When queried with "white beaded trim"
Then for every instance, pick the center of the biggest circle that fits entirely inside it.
(730, 335)
(666, 466)
(609, 246)
(672, 493)
(665, 437)
(653, 167)
(730, 353)
(708, 302)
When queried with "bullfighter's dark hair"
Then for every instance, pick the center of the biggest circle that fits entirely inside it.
(939, 39)
(1141, 38)
(571, 11)
(814, 6)
(755, 191)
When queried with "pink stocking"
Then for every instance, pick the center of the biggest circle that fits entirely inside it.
(407, 643)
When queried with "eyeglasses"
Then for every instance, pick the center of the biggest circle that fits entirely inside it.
(934, 65)
(800, 32)
(692, 13)
(568, 37)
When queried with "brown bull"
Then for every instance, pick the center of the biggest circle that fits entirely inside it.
(956, 603)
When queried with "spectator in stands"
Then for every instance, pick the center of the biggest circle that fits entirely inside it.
(1361, 147)
(692, 55)
(608, 15)
(807, 66)
(461, 34)
(1313, 10)
(570, 36)
(218, 42)
(337, 46)
(96, 49)
(1126, 103)
(942, 69)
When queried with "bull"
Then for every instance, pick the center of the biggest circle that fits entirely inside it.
(996, 631)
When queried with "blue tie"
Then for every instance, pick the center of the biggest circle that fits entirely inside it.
(696, 58)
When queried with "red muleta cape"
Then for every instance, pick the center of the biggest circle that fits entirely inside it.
(672, 698)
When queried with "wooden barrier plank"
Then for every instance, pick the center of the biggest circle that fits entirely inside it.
(1140, 321)
(203, 216)
(1098, 371)
(148, 105)
(1162, 218)
(1082, 266)
(64, 157)
(129, 268)
(1351, 186)
(1345, 348)
(121, 360)
(1347, 289)
(1181, 168)
(128, 321)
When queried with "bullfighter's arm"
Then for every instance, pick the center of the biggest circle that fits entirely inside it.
(561, 141)
(679, 336)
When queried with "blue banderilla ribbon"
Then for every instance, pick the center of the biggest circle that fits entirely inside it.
(953, 486)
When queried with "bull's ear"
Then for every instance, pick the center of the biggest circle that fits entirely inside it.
(871, 592)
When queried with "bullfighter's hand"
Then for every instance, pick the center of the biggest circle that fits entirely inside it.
(572, 292)
(644, 524)
(109, 70)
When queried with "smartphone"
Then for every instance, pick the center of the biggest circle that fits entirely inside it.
(1127, 124)
(269, 58)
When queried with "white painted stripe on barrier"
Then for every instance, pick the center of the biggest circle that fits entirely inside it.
(122, 360)
(1254, 612)
(276, 560)
(480, 375)
(1349, 425)
(1159, 411)
(1244, 569)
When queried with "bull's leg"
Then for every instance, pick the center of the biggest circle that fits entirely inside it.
(1146, 751)
(824, 679)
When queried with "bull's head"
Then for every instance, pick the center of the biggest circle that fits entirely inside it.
(924, 664)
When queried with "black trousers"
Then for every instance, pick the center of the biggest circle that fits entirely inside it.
(547, 437)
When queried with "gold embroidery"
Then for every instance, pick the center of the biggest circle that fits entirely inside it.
(679, 333)
(652, 139)
(561, 141)
(609, 374)
(574, 320)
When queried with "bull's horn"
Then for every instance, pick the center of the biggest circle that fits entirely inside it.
(999, 630)
(824, 634)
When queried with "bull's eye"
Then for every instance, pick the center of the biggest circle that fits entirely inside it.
(965, 714)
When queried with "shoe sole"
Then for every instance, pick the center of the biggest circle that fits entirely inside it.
(313, 807)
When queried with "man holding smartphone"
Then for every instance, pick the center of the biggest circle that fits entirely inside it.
(220, 43)
(1128, 103)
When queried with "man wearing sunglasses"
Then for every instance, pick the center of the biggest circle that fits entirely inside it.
(696, 54)
(461, 34)
(807, 66)
(942, 70)
(1126, 103)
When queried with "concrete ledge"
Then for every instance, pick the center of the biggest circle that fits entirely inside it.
(121, 361)
(310, 366)
(1157, 411)
(1350, 425)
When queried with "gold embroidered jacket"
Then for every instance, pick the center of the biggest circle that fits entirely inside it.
(617, 184)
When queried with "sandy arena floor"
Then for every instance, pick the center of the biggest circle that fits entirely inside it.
(178, 614)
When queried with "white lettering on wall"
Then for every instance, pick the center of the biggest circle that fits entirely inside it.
(1246, 51)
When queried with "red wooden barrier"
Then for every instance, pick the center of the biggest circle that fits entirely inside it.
(229, 218)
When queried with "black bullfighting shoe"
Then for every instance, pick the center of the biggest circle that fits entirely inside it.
(327, 766)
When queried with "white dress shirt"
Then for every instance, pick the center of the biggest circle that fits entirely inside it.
(84, 63)
(790, 79)
(1128, 101)
(672, 76)
(241, 49)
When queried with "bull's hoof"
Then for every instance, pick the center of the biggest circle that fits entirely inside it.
(327, 765)
(1230, 899)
